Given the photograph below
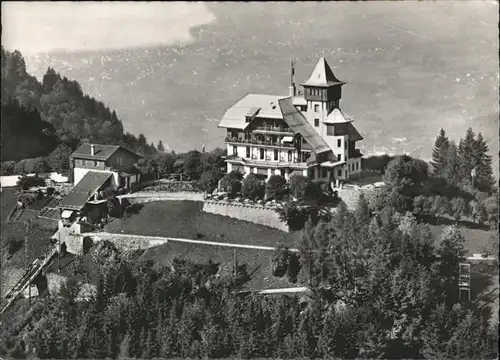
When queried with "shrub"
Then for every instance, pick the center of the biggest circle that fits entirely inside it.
(114, 208)
(14, 245)
(440, 206)
(490, 205)
(293, 267)
(7, 168)
(26, 182)
(280, 261)
(458, 208)
(209, 180)
(275, 187)
(225, 182)
(298, 186)
(132, 209)
(252, 187)
(27, 199)
(313, 191)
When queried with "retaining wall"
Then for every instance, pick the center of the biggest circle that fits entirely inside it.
(163, 196)
(254, 213)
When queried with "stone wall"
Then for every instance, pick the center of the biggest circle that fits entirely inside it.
(258, 214)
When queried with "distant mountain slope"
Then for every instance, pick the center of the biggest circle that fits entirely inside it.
(410, 67)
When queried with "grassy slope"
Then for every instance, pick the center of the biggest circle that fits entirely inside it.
(38, 240)
(475, 239)
(185, 219)
(259, 262)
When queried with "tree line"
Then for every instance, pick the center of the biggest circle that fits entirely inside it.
(379, 290)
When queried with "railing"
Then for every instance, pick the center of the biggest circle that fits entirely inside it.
(259, 142)
(354, 153)
(34, 269)
(277, 129)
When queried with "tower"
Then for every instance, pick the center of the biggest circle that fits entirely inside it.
(323, 90)
(322, 93)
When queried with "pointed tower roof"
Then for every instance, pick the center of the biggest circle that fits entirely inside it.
(323, 75)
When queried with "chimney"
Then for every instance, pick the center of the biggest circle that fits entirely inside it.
(92, 149)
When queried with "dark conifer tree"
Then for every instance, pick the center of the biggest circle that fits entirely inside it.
(484, 173)
(467, 152)
(438, 153)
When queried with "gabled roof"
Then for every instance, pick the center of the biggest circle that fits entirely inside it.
(322, 75)
(102, 152)
(354, 135)
(298, 123)
(83, 191)
(337, 116)
(259, 105)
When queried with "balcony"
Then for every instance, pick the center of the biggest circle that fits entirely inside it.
(354, 153)
(273, 130)
(267, 143)
(281, 163)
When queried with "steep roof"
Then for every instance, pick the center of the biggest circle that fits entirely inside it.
(322, 75)
(102, 152)
(260, 105)
(337, 116)
(298, 123)
(83, 191)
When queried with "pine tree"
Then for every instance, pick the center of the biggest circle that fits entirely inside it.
(484, 173)
(362, 211)
(451, 166)
(160, 146)
(467, 152)
(438, 153)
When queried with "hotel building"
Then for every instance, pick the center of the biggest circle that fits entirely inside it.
(303, 133)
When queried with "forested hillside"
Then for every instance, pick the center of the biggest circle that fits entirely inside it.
(39, 116)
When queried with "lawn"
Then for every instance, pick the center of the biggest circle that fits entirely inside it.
(185, 219)
(475, 239)
(259, 262)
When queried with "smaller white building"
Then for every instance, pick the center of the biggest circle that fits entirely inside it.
(109, 159)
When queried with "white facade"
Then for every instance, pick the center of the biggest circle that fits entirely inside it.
(320, 107)
(79, 173)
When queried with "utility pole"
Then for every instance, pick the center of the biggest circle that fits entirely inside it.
(26, 258)
(59, 251)
(235, 261)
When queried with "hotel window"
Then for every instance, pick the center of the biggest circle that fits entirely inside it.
(324, 172)
(96, 162)
(330, 130)
(357, 166)
(316, 108)
(275, 154)
(84, 162)
(339, 157)
(339, 173)
(339, 142)
(316, 122)
(248, 151)
(235, 150)
(262, 154)
(289, 156)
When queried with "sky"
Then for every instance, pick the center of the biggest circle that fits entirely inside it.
(35, 27)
